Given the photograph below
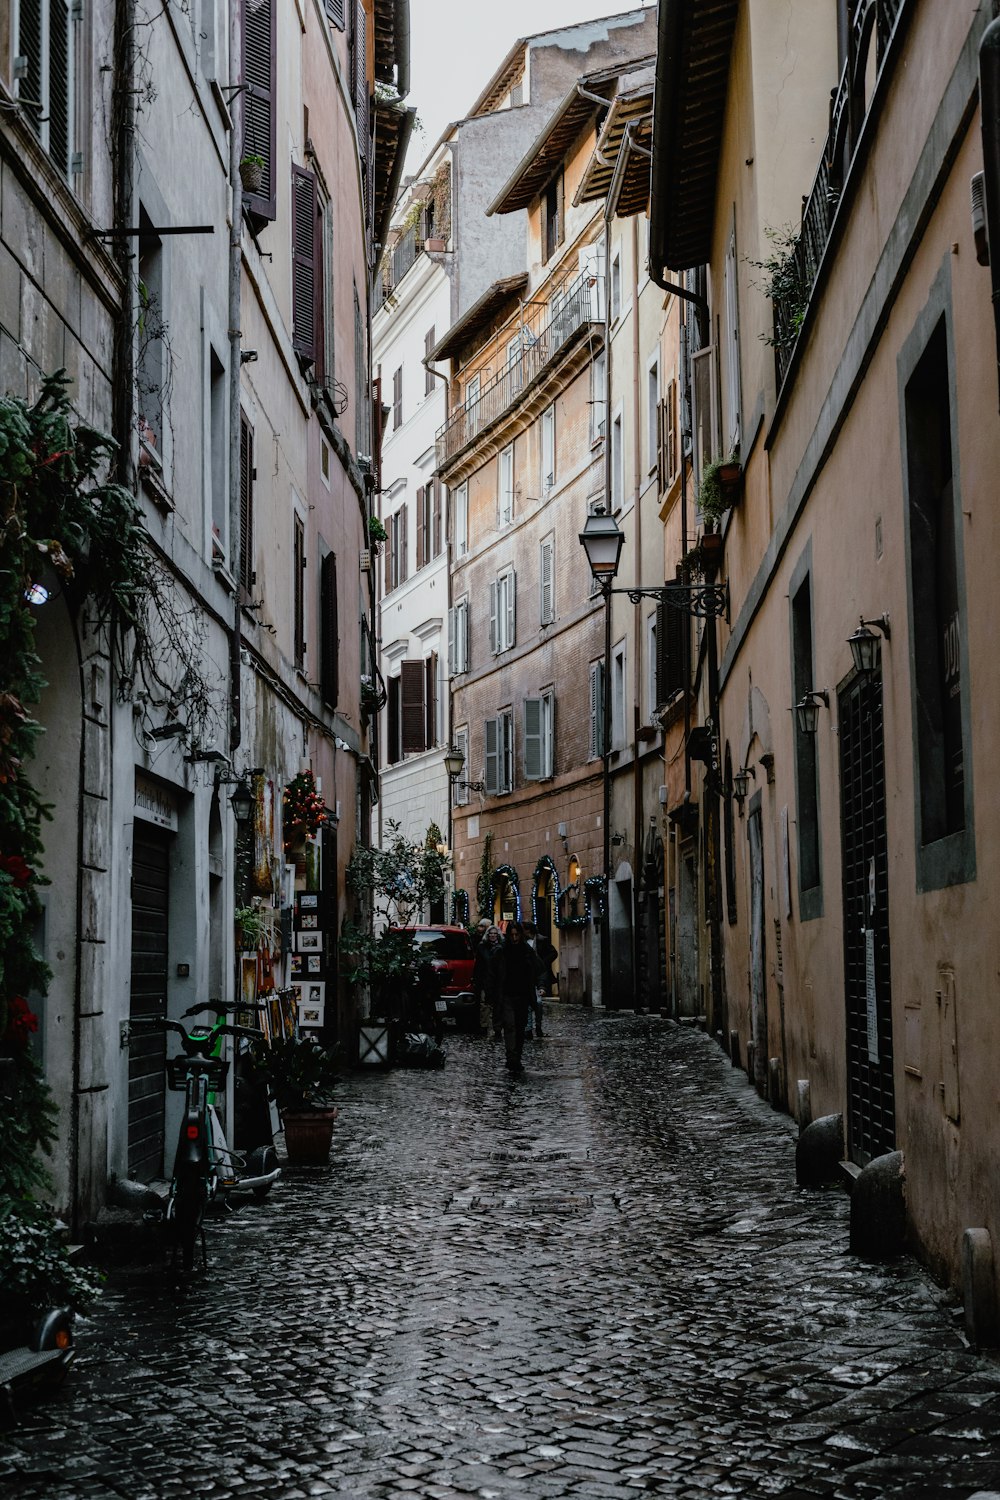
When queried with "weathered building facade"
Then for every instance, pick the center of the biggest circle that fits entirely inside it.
(854, 374)
(224, 340)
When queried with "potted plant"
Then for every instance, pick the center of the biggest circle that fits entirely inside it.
(377, 534)
(719, 490)
(252, 173)
(301, 1075)
(249, 923)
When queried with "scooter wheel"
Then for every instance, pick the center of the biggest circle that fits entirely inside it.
(261, 1161)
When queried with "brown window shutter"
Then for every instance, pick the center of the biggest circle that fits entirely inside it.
(259, 71)
(387, 555)
(304, 264)
(437, 539)
(329, 632)
(299, 569)
(360, 78)
(319, 317)
(430, 700)
(404, 543)
(392, 722)
(247, 575)
(411, 675)
(429, 339)
(671, 676)
(421, 517)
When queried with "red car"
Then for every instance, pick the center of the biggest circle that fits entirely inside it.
(450, 951)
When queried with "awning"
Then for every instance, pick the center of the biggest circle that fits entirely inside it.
(634, 109)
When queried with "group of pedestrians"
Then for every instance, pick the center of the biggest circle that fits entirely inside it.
(513, 971)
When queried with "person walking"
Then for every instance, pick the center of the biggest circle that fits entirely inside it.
(486, 980)
(534, 1026)
(519, 972)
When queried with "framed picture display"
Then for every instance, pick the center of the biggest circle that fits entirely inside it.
(310, 1015)
(295, 965)
(308, 901)
(309, 920)
(309, 942)
(314, 962)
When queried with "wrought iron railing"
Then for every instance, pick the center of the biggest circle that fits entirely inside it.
(847, 113)
(528, 342)
(396, 264)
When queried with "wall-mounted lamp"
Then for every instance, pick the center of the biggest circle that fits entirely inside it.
(807, 709)
(741, 783)
(242, 803)
(453, 763)
(865, 646)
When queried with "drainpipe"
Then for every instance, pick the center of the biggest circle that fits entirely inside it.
(989, 93)
(637, 479)
(449, 724)
(235, 335)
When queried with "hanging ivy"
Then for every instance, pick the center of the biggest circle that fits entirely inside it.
(62, 528)
(484, 884)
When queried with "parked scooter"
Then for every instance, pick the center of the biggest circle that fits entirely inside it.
(35, 1354)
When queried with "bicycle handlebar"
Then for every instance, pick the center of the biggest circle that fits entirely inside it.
(219, 1009)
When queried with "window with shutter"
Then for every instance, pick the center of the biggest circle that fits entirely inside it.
(494, 638)
(505, 486)
(259, 75)
(596, 709)
(671, 674)
(460, 788)
(437, 529)
(430, 700)
(492, 733)
(548, 445)
(304, 278)
(330, 632)
(411, 680)
(461, 613)
(360, 75)
(299, 589)
(505, 750)
(460, 501)
(397, 398)
(429, 339)
(388, 559)
(336, 10)
(533, 765)
(547, 588)
(422, 549)
(247, 475)
(511, 603)
(672, 449)
(404, 543)
(393, 751)
(45, 52)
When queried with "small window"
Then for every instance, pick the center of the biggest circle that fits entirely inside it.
(499, 736)
(429, 378)
(651, 703)
(617, 463)
(552, 217)
(539, 719)
(653, 415)
(460, 787)
(299, 589)
(472, 412)
(502, 615)
(248, 476)
(460, 513)
(548, 445)
(397, 398)
(324, 461)
(596, 748)
(396, 563)
(616, 286)
(505, 486)
(732, 347)
(598, 396)
(45, 53)
(458, 636)
(618, 697)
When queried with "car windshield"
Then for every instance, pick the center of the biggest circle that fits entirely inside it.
(448, 945)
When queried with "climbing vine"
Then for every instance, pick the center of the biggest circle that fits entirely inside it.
(484, 884)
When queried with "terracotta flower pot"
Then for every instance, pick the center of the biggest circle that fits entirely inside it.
(308, 1136)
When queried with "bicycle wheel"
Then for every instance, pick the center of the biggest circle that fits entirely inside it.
(186, 1218)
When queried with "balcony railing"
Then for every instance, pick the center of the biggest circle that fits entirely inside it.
(398, 261)
(847, 113)
(528, 343)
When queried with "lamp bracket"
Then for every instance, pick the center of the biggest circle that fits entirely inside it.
(705, 600)
(882, 623)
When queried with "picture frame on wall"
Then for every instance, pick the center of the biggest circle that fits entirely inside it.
(295, 964)
(310, 1015)
(314, 962)
(308, 901)
(309, 920)
(309, 942)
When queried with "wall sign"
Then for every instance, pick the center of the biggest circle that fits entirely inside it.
(155, 803)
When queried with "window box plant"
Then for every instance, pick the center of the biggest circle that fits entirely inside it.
(720, 489)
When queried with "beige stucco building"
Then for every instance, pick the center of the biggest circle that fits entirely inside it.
(859, 947)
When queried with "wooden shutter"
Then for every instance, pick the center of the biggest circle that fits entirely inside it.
(29, 47)
(329, 632)
(321, 265)
(360, 78)
(336, 10)
(452, 657)
(392, 722)
(493, 617)
(299, 588)
(533, 760)
(397, 398)
(411, 681)
(404, 543)
(560, 232)
(387, 557)
(304, 276)
(462, 635)
(492, 728)
(259, 75)
(511, 610)
(547, 589)
(59, 84)
(428, 374)
(437, 538)
(596, 709)
(247, 475)
(430, 700)
(422, 556)
(671, 676)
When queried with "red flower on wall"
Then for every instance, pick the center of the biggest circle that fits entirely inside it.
(21, 1022)
(16, 867)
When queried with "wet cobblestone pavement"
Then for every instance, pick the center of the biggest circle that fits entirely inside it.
(598, 1280)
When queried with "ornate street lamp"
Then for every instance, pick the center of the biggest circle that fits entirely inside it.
(865, 645)
(807, 709)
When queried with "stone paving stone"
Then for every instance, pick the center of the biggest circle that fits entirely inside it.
(599, 1280)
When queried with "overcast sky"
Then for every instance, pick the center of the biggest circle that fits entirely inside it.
(457, 45)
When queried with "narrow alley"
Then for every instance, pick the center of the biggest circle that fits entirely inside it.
(597, 1280)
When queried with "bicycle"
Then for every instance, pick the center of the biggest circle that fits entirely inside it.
(203, 1162)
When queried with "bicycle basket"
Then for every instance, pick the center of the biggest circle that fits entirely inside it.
(212, 1069)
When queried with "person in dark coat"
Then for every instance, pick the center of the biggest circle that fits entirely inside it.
(519, 972)
(486, 980)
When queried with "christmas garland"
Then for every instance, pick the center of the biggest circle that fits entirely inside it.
(594, 902)
(303, 809)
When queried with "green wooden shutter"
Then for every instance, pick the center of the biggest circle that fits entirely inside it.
(533, 763)
(259, 74)
(304, 264)
(492, 728)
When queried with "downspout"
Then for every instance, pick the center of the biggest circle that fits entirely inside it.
(637, 478)
(235, 336)
(401, 35)
(449, 558)
(989, 93)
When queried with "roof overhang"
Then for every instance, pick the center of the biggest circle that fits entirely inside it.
(585, 100)
(393, 124)
(478, 316)
(392, 44)
(692, 79)
(631, 114)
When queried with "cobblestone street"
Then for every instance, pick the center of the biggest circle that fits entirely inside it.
(597, 1280)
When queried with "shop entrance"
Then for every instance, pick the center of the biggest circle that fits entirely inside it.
(148, 997)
